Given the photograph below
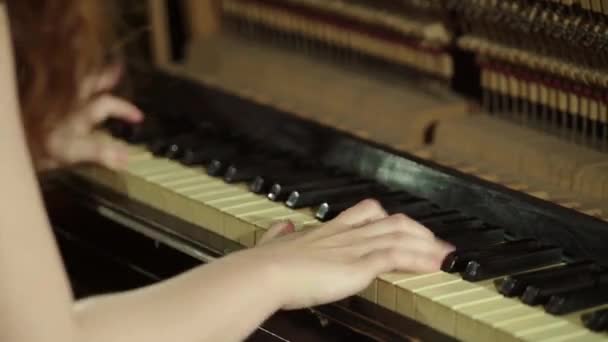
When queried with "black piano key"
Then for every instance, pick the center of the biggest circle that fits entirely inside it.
(150, 129)
(475, 238)
(596, 320)
(219, 166)
(261, 184)
(329, 210)
(413, 209)
(307, 163)
(280, 191)
(174, 146)
(178, 145)
(491, 267)
(438, 217)
(457, 260)
(396, 196)
(205, 153)
(578, 300)
(541, 291)
(296, 176)
(158, 146)
(515, 285)
(443, 230)
(311, 198)
(250, 153)
(448, 226)
(246, 172)
(123, 130)
(237, 174)
(471, 222)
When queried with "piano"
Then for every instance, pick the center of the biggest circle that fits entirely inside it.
(485, 120)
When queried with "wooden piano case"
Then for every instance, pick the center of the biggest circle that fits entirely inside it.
(199, 71)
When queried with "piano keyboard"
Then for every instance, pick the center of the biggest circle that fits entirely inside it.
(226, 185)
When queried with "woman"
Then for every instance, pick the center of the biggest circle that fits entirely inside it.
(53, 95)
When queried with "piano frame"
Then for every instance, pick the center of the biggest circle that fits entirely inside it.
(520, 214)
(580, 235)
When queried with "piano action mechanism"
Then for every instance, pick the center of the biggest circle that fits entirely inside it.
(486, 120)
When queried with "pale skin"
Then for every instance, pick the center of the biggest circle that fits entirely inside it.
(222, 301)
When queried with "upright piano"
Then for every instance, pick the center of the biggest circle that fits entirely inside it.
(485, 120)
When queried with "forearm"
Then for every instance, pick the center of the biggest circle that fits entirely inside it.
(223, 301)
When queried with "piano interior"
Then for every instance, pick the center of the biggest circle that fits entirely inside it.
(486, 120)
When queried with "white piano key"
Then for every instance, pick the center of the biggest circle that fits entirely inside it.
(469, 311)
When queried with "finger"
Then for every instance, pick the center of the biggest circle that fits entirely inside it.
(430, 248)
(393, 224)
(102, 82)
(99, 148)
(366, 211)
(395, 260)
(109, 106)
(109, 79)
(277, 230)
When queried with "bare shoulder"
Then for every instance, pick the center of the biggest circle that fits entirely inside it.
(3, 22)
(5, 40)
(6, 50)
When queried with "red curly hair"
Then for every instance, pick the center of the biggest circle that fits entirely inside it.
(57, 45)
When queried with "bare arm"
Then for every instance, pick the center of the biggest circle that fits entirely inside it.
(34, 291)
(36, 303)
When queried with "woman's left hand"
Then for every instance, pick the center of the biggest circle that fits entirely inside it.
(77, 139)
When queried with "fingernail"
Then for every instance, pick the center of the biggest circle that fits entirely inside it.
(445, 245)
(138, 116)
(286, 223)
(290, 228)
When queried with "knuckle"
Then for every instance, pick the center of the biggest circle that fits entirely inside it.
(397, 238)
(400, 219)
(370, 205)
(104, 150)
(402, 239)
(394, 255)
(101, 103)
(420, 229)
(427, 232)
(100, 151)
(105, 98)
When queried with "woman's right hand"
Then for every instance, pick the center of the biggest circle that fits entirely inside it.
(342, 257)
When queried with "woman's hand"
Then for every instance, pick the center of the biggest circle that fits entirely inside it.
(342, 257)
(76, 138)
